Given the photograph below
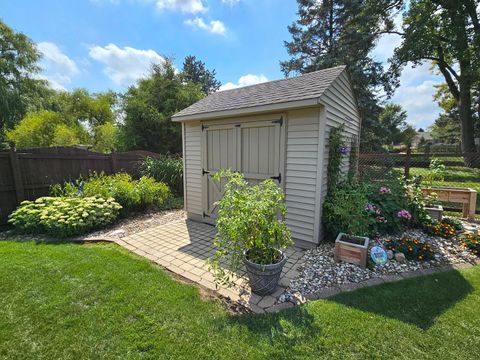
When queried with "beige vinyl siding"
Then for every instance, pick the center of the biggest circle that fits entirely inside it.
(193, 168)
(301, 172)
(341, 108)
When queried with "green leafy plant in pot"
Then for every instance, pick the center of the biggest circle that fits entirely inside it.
(250, 231)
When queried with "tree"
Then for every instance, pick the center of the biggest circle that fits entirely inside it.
(344, 32)
(194, 70)
(94, 109)
(106, 137)
(20, 91)
(447, 34)
(446, 128)
(393, 125)
(47, 128)
(148, 108)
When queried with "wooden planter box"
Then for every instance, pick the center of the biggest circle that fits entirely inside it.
(435, 211)
(465, 196)
(354, 252)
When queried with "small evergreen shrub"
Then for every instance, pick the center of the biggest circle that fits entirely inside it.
(64, 216)
(166, 169)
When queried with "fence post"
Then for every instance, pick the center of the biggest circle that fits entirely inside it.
(113, 158)
(407, 161)
(17, 176)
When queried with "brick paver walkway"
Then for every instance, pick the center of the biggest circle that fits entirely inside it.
(183, 247)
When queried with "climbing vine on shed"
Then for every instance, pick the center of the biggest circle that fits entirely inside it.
(336, 152)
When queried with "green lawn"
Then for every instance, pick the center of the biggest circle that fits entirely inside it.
(66, 301)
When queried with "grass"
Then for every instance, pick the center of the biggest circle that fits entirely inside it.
(66, 301)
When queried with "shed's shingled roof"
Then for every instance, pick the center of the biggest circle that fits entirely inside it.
(308, 86)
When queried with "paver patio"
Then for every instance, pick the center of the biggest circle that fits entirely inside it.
(183, 247)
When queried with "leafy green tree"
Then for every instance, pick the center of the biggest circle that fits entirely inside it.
(149, 106)
(393, 125)
(195, 71)
(20, 91)
(447, 34)
(106, 137)
(344, 32)
(47, 128)
(446, 128)
(95, 109)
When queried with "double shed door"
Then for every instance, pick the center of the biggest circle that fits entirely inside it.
(253, 148)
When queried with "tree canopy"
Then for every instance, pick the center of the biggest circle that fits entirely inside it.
(344, 32)
(149, 105)
(196, 72)
(447, 34)
(20, 89)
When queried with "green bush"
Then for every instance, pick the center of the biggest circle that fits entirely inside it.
(133, 195)
(344, 210)
(166, 169)
(64, 216)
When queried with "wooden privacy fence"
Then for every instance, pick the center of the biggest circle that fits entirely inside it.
(28, 174)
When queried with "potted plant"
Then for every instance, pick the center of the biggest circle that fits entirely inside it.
(250, 232)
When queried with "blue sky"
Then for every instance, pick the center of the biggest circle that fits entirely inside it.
(108, 44)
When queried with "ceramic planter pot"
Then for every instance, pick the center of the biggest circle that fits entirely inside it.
(263, 279)
(435, 211)
(352, 249)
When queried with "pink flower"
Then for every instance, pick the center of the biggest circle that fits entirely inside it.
(381, 219)
(404, 214)
(384, 190)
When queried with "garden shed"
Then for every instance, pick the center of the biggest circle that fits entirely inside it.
(279, 130)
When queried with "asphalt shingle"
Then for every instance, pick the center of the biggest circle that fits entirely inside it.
(308, 86)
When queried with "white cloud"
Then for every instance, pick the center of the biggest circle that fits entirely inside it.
(58, 68)
(124, 65)
(186, 6)
(215, 26)
(231, 2)
(415, 94)
(245, 80)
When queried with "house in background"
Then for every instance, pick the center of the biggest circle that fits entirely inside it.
(274, 130)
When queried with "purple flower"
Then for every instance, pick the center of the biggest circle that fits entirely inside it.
(404, 214)
(385, 190)
(343, 150)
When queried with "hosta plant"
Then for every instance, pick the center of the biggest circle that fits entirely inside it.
(249, 224)
(64, 216)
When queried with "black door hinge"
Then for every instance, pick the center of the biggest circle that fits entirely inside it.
(278, 178)
(205, 215)
(204, 127)
(205, 172)
(279, 121)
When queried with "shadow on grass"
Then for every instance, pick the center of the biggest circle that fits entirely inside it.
(418, 301)
(294, 326)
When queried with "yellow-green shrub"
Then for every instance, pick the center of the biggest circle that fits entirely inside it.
(133, 195)
(64, 216)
